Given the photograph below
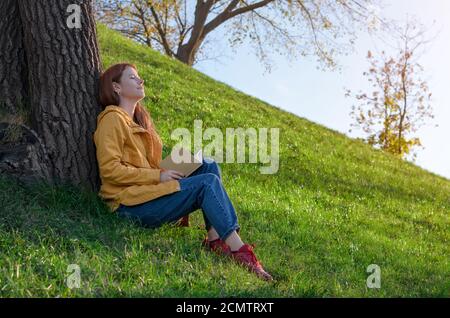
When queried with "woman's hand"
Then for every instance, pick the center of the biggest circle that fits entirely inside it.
(167, 175)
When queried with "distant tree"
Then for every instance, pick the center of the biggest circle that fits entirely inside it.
(400, 102)
(291, 27)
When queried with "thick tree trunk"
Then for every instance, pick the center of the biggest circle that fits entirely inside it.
(186, 53)
(13, 68)
(63, 68)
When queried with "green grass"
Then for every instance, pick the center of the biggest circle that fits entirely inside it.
(334, 207)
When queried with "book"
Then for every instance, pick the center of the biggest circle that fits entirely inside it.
(182, 160)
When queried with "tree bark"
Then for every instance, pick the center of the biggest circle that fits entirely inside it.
(13, 68)
(63, 67)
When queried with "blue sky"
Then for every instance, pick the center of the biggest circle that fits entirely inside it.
(316, 95)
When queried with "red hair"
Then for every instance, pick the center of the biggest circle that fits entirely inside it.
(107, 96)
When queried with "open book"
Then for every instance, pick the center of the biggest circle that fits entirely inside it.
(182, 160)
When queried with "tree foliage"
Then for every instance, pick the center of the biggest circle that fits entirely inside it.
(294, 28)
(400, 103)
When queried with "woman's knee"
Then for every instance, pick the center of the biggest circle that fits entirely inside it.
(209, 160)
(212, 165)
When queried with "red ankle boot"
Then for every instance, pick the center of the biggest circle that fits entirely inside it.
(247, 257)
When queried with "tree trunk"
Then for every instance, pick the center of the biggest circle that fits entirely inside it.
(63, 68)
(13, 68)
(186, 54)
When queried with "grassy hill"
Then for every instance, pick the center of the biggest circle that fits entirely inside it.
(334, 207)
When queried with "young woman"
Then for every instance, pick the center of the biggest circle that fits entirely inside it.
(128, 150)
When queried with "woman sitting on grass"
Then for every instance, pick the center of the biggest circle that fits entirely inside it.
(129, 151)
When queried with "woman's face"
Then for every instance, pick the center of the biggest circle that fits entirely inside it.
(131, 86)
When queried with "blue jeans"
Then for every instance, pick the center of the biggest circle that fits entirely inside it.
(203, 189)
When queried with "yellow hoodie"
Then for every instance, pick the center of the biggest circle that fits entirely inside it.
(128, 158)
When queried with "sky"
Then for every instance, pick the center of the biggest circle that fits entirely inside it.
(318, 96)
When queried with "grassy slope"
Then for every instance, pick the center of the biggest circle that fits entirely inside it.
(334, 207)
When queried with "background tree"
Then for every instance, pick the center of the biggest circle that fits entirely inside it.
(401, 102)
(179, 28)
(49, 71)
